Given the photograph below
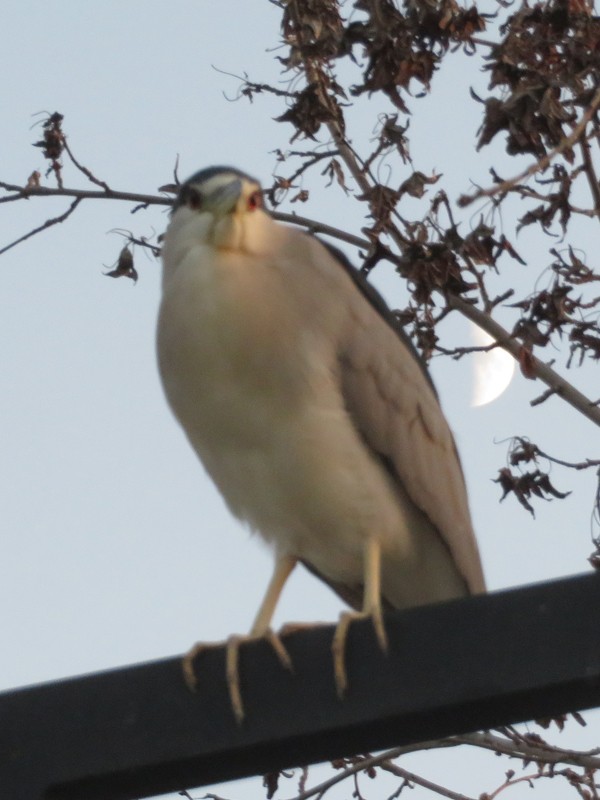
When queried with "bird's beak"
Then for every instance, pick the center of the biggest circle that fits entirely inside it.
(223, 199)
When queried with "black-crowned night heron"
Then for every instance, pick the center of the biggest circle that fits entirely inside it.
(310, 410)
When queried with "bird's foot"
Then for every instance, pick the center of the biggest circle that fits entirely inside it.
(338, 646)
(232, 658)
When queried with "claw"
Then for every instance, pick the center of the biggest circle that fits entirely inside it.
(280, 650)
(338, 646)
(338, 649)
(232, 672)
(232, 661)
(187, 663)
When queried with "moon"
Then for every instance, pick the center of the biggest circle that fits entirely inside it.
(492, 370)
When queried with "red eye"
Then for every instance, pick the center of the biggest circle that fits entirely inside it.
(255, 201)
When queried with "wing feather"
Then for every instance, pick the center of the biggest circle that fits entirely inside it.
(393, 403)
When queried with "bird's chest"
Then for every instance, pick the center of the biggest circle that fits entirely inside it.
(233, 353)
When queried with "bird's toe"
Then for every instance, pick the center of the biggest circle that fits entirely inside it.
(338, 646)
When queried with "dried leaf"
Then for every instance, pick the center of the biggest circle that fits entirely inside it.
(124, 267)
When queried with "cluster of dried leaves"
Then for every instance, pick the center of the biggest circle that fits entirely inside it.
(546, 62)
(52, 144)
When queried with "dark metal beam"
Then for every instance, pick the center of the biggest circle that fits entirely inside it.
(451, 668)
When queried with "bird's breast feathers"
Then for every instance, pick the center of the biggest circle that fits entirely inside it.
(242, 366)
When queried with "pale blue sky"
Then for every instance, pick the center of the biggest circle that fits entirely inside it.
(115, 548)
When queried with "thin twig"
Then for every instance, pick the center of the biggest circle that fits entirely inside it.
(426, 784)
(510, 782)
(538, 166)
(48, 224)
(527, 191)
(314, 226)
(545, 395)
(311, 160)
(589, 462)
(88, 174)
(518, 748)
(590, 173)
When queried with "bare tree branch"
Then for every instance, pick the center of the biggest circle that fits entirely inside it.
(540, 752)
(24, 192)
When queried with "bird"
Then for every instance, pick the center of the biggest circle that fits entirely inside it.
(311, 411)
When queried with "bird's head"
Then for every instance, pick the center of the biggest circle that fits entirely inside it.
(220, 207)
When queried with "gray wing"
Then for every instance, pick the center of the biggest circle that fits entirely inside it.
(391, 399)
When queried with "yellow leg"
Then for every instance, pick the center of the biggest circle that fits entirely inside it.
(283, 569)
(260, 629)
(371, 608)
